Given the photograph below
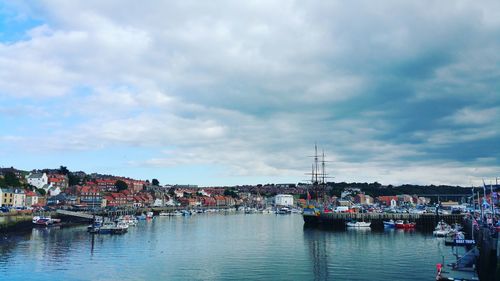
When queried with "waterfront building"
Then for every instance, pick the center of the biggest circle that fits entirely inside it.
(208, 201)
(283, 200)
(19, 198)
(220, 200)
(12, 197)
(38, 180)
(31, 198)
(6, 197)
(89, 195)
(230, 201)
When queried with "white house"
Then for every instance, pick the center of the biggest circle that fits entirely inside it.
(283, 200)
(158, 203)
(171, 202)
(37, 180)
(53, 190)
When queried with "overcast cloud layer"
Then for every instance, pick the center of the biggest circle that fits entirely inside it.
(226, 92)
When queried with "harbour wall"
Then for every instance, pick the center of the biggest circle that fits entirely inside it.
(423, 221)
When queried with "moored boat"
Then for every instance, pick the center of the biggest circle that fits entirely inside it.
(45, 221)
(110, 227)
(358, 224)
(389, 224)
(310, 215)
(284, 211)
(400, 224)
(442, 229)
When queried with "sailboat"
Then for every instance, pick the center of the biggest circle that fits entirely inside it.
(311, 213)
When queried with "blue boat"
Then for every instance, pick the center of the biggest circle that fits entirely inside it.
(389, 224)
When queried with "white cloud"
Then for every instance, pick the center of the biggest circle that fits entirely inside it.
(252, 85)
(471, 116)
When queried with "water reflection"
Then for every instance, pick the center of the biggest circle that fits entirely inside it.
(316, 242)
(218, 247)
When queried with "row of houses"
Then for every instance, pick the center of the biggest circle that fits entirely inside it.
(18, 198)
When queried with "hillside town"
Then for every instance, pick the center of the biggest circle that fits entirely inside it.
(60, 188)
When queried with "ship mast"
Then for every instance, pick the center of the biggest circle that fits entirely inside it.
(323, 174)
(316, 164)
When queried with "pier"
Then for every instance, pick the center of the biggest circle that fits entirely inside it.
(81, 215)
(424, 221)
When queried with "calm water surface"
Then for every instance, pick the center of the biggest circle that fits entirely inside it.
(221, 247)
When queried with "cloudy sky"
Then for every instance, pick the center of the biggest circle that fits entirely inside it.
(238, 92)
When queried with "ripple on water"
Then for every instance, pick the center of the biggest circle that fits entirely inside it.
(221, 247)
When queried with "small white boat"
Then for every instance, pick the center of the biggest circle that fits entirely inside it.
(358, 224)
(129, 220)
(45, 221)
(442, 229)
(149, 215)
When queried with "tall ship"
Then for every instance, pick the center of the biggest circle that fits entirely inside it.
(316, 190)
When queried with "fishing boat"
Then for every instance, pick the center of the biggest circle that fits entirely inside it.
(110, 227)
(400, 224)
(358, 224)
(389, 224)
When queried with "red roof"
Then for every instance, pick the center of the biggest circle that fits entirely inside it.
(30, 193)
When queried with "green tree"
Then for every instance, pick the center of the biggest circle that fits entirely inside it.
(63, 170)
(121, 185)
(229, 192)
(171, 192)
(155, 182)
(73, 180)
(11, 179)
(41, 191)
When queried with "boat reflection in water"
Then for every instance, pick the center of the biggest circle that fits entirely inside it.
(316, 242)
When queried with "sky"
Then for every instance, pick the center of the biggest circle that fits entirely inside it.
(238, 92)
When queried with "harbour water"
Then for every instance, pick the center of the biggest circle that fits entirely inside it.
(221, 247)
